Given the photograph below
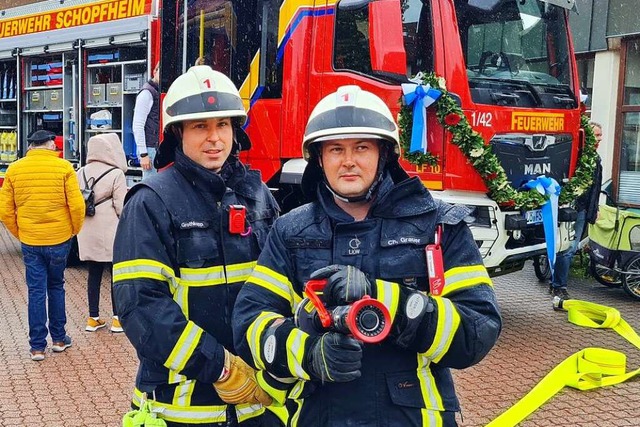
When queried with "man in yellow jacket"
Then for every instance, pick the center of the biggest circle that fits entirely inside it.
(42, 206)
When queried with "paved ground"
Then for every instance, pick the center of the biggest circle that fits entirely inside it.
(89, 384)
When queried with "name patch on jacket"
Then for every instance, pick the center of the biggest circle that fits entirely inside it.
(405, 240)
(194, 224)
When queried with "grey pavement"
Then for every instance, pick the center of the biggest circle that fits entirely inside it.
(90, 383)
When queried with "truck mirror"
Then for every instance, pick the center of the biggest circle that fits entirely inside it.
(386, 42)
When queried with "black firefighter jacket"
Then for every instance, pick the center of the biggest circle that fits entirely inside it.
(398, 387)
(177, 272)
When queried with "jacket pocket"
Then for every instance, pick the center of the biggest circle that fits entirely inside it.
(404, 389)
(196, 247)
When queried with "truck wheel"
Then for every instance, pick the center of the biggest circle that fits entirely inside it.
(605, 275)
(631, 278)
(541, 268)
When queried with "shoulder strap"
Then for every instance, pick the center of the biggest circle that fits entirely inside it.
(86, 183)
(100, 177)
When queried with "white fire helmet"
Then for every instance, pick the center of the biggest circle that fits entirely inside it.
(350, 112)
(202, 93)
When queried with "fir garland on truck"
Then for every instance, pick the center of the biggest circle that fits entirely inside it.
(479, 154)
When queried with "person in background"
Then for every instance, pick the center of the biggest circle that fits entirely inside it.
(107, 161)
(187, 240)
(42, 206)
(587, 207)
(366, 232)
(146, 122)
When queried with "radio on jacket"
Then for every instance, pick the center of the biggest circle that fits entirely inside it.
(367, 319)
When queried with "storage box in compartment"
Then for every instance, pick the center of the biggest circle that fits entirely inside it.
(54, 101)
(36, 100)
(134, 82)
(114, 93)
(8, 117)
(97, 94)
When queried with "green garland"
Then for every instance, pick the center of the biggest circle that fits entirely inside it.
(479, 154)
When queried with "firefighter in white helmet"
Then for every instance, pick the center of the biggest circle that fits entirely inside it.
(368, 231)
(187, 240)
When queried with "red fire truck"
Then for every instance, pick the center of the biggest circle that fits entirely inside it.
(509, 63)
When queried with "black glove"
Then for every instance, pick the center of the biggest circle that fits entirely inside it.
(411, 320)
(334, 357)
(345, 284)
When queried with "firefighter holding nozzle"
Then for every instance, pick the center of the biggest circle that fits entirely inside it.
(370, 231)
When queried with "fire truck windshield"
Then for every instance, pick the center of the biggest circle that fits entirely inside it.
(518, 49)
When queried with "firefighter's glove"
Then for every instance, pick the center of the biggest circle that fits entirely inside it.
(238, 383)
(334, 357)
(345, 284)
(411, 321)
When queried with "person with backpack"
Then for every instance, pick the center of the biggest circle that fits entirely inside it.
(103, 178)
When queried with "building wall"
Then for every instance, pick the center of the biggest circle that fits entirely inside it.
(8, 4)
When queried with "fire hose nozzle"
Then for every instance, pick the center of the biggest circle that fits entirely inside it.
(367, 319)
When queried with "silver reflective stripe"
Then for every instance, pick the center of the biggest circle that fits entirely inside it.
(255, 332)
(429, 389)
(245, 412)
(239, 272)
(455, 277)
(186, 415)
(261, 276)
(202, 276)
(443, 335)
(295, 347)
(184, 347)
(145, 268)
(183, 393)
(181, 296)
(388, 294)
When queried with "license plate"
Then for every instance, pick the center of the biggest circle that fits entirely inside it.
(534, 216)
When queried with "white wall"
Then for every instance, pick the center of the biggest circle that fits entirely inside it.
(603, 106)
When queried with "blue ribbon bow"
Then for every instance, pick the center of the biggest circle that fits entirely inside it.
(549, 188)
(421, 96)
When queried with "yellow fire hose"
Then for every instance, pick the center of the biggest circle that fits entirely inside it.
(585, 370)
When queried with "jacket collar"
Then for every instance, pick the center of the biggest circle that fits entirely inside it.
(204, 180)
(42, 152)
(404, 199)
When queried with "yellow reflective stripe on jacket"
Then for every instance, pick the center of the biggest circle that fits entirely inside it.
(217, 275)
(273, 282)
(431, 418)
(388, 293)
(206, 276)
(239, 272)
(295, 353)
(184, 348)
(430, 394)
(185, 415)
(464, 277)
(183, 393)
(448, 322)
(279, 396)
(254, 335)
(245, 411)
(145, 269)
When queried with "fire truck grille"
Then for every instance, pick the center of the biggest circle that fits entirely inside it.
(526, 157)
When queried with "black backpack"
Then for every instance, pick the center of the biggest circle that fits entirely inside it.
(88, 194)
